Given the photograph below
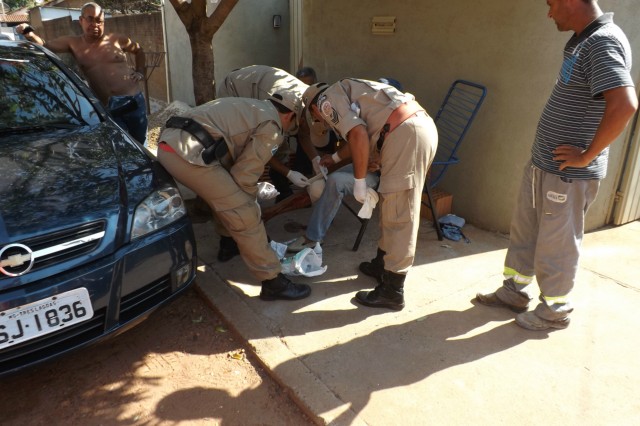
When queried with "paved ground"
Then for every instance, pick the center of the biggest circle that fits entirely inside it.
(443, 359)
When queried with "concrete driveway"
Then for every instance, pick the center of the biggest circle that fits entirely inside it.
(442, 360)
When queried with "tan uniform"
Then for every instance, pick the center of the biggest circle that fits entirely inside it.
(318, 130)
(405, 157)
(260, 82)
(252, 131)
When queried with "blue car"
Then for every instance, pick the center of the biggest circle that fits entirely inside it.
(94, 234)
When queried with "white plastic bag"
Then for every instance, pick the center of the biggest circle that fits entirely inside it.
(279, 248)
(307, 262)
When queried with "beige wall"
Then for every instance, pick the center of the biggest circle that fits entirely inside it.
(509, 46)
(247, 37)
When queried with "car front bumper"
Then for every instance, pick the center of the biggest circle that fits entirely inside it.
(124, 289)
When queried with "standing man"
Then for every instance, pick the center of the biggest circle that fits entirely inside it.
(219, 150)
(382, 124)
(591, 103)
(102, 58)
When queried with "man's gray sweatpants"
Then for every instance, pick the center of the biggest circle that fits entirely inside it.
(546, 232)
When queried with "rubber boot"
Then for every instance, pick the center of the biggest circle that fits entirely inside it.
(375, 268)
(389, 294)
(282, 288)
(228, 249)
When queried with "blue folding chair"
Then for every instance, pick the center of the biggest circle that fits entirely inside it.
(453, 120)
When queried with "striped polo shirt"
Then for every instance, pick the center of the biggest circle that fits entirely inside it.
(597, 60)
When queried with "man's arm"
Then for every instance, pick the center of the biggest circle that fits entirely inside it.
(58, 45)
(296, 178)
(358, 141)
(129, 46)
(621, 104)
(278, 167)
(304, 139)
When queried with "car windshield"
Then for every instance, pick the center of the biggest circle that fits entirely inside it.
(35, 93)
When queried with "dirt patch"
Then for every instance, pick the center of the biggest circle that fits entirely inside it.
(181, 366)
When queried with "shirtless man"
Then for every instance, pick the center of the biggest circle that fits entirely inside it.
(102, 58)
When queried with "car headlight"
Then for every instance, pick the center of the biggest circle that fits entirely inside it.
(157, 211)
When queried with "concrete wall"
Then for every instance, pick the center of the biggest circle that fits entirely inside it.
(509, 46)
(247, 37)
(146, 29)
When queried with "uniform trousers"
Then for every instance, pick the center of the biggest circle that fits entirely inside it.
(405, 157)
(236, 210)
(545, 238)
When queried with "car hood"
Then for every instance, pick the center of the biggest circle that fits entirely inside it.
(64, 178)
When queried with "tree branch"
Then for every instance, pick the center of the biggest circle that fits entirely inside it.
(182, 8)
(217, 18)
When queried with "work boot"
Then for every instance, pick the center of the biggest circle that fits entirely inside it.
(491, 299)
(375, 268)
(509, 296)
(282, 288)
(531, 321)
(388, 294)
(228, 249)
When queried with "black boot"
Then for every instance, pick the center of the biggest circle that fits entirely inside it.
(389, 294)
(375, 268)
(281, 287)
(228, 249)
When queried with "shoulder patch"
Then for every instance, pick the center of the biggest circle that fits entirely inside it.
(327, 110)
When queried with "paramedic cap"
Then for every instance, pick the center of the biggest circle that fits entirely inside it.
(312, 92)
(290, 99)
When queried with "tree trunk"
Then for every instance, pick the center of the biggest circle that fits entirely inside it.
(201, 30)
(202, 68)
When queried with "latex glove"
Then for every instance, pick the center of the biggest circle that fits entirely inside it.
(316, 164)
(267, 191)
(360, 190)
(369, 204)
(297, 178)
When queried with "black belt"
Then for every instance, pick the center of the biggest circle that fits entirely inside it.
(214, 149)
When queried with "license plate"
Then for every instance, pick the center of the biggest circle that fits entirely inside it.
(45, 316)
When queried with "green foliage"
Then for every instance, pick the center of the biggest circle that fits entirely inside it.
(112, 6)
(126, 7)
(17, 4)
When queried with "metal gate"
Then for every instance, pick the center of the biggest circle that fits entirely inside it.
(627, 206)
(295, 13)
